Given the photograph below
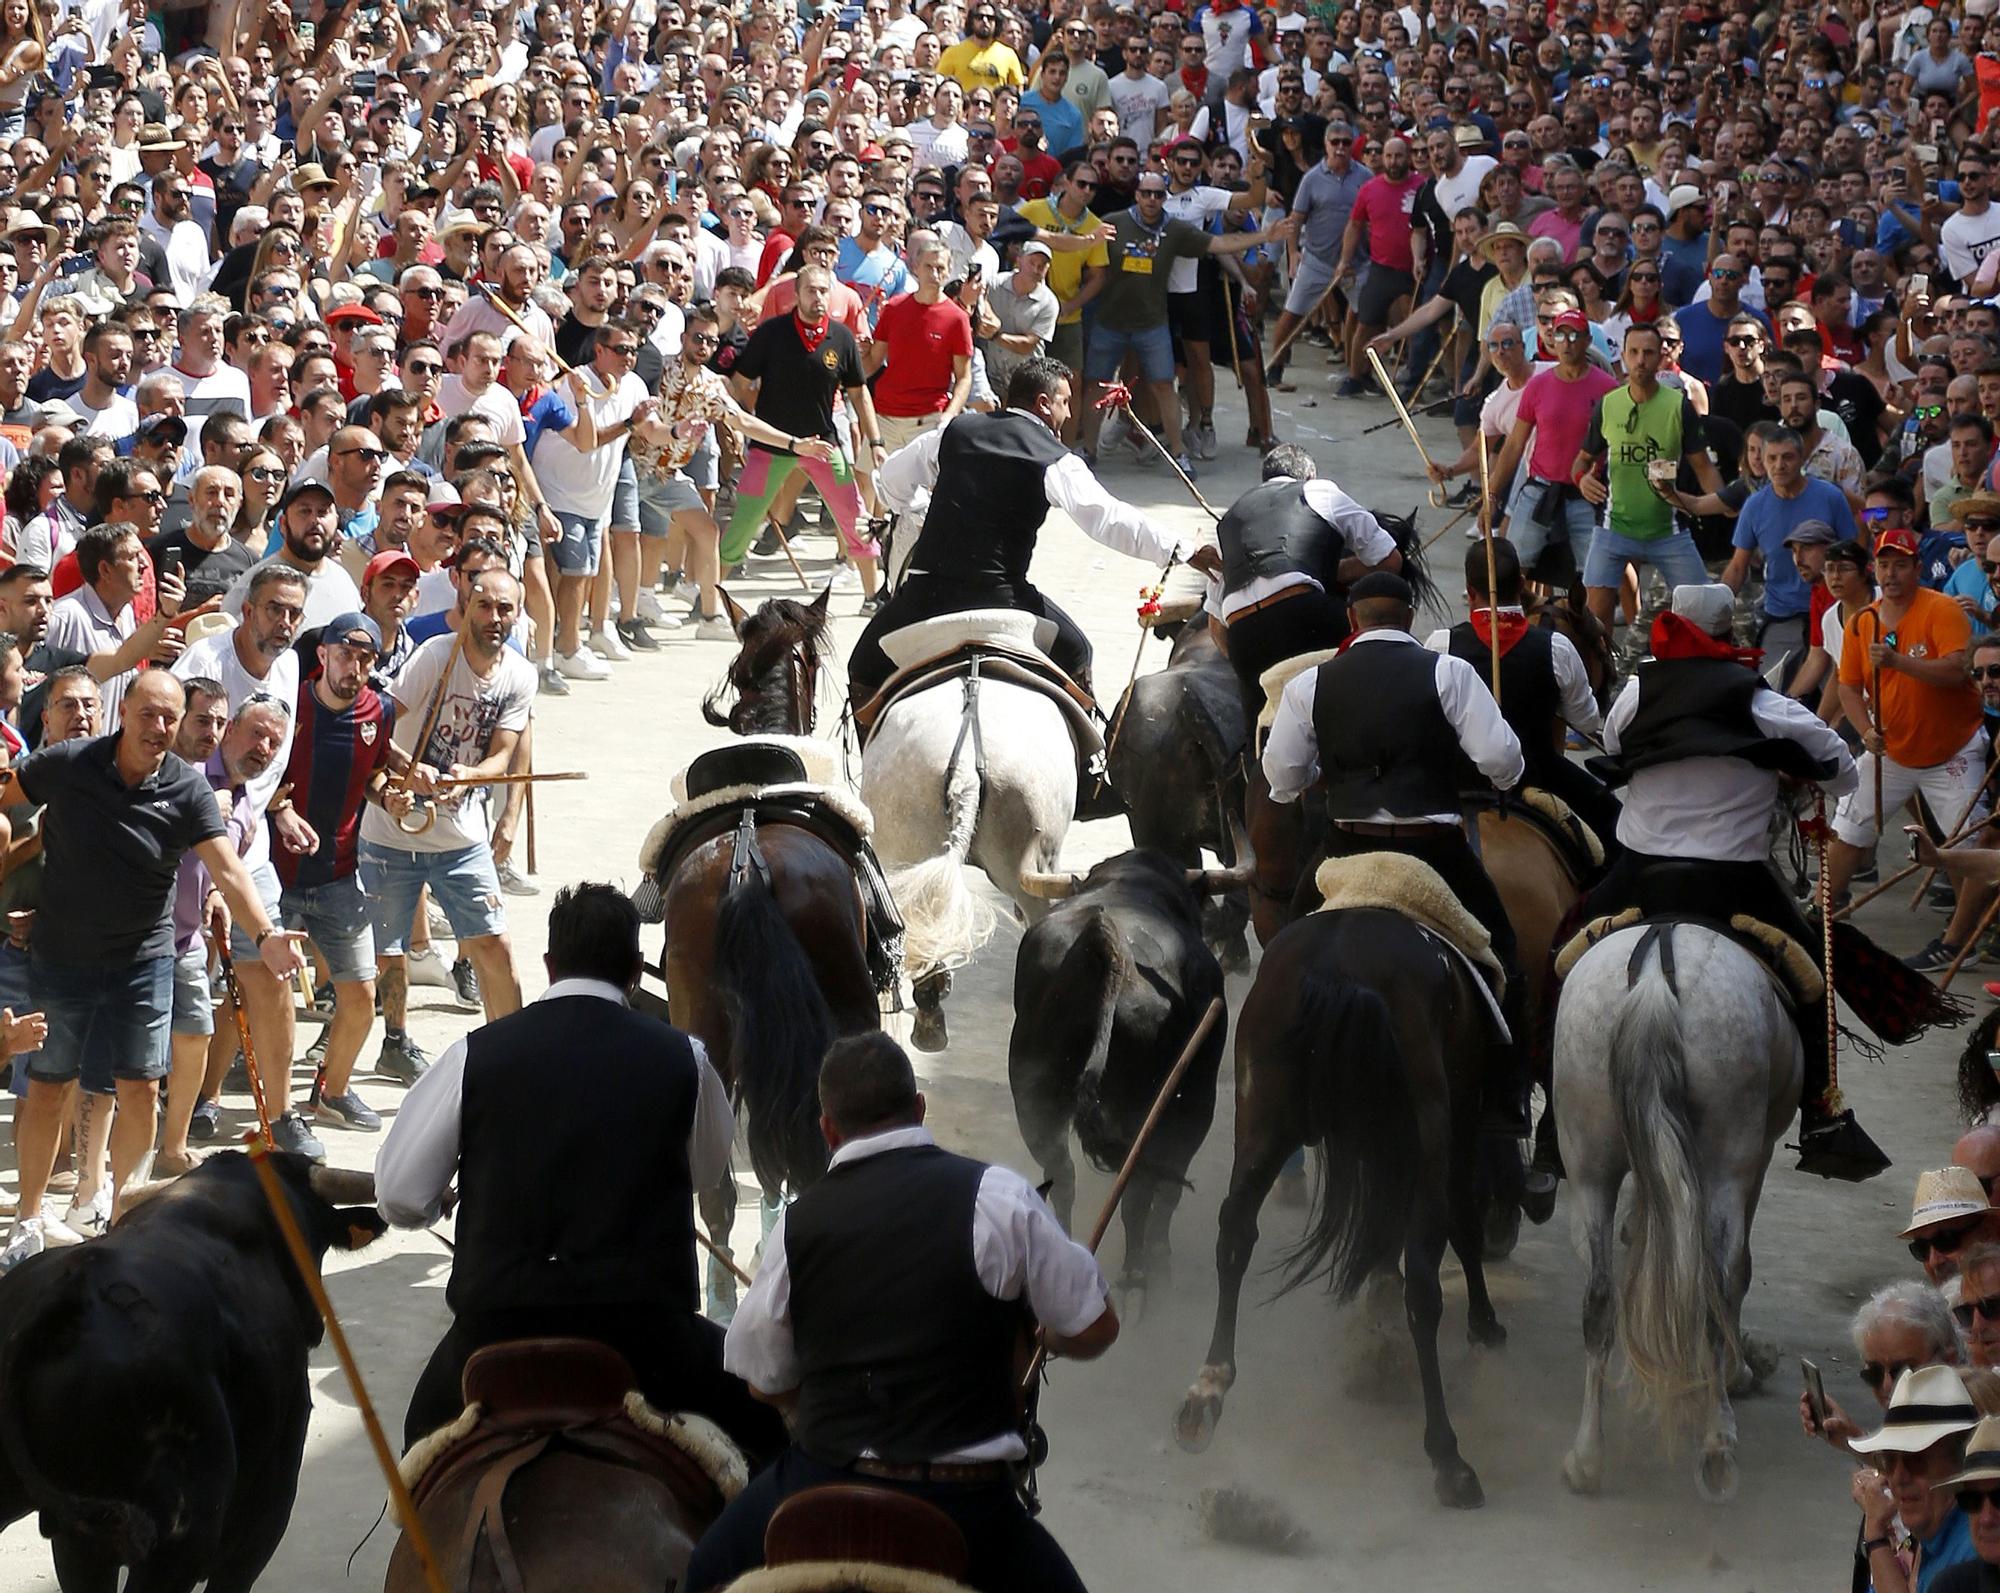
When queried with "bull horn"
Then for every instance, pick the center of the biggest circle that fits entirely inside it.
(1049, 887)
(1220, 881)
(342, 1186)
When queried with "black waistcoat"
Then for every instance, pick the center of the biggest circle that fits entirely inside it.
(1272, 530)
(1530, 699)
(573, 1174)
(1700, 708)
(990, 499)
(902, 1352)
(1385, 744)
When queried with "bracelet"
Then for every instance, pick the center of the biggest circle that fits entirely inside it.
(1870, 1545)
(264, 935)
(876, 442)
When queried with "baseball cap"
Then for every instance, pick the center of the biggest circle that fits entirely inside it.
(1706, 604)
(1900, 540)
(442, 494)
(354, 627)
(389, 559)
(162, 428)
(1571, 321)
(299, 489)
(1036, 246)
(1810, 534)
(354, 312)
(1683, 196)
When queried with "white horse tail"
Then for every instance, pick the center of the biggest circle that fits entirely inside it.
(944, 923)
(1673, 1317)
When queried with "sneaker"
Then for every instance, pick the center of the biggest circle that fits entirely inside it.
(91, 1217)
(316, 1052)
(1464, 498)
(682, 591)
(847, 579)
(289, 1133)
(1352, 387)
(427, 967)
(1934, 958)
(715, 628)
(638, 636)
(1187, 467)
(582, 664)
(650, 611)
(348, 1111)
(57, 1234)
(207, 1120)
(465, 982)
(872, 603)
(402, 1058)
(552, 684)
(765, 547)
(25, 1241)
(514, 884)
(1943, 898)
(1204, 440)
(609, 645)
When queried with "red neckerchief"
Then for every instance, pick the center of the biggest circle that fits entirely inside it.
(530, 399)
(812, 336)
(1195, 80)
(1513, 626)
(1677, 637)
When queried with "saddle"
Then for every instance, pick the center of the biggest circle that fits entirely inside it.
(1790, 965)
(1274, 681)
(1576, 843)
(991, 644)
(534, 1396)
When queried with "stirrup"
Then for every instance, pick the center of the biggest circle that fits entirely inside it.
(1839, 1147)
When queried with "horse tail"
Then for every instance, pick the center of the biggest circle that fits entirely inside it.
(1673, 1317)
(1075, 1021)
(1361, 1110)
(943, 921)
(779, 1031)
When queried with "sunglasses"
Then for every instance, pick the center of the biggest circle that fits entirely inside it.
(1972, 1500)
(1947, 1243)
(1645, 276)
(151, 495)
(1876, 1373)
(1503, 342)
(1982, 525)
(1988, 1308)
(374, 456)
(1722, 274)
(1739, 342)
(265, 473)
(1987, 671)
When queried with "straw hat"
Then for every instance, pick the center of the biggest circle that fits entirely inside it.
(1982, 1456)
(1985, 503)
(1505, 231)
(1943, 1195)
(1930, 1403)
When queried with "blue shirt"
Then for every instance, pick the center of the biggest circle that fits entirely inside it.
(1952, 1546)
(1768, 519)
(550, 412)
(877, 277)
(1062, 122)
(1969, 580)
(1683, 268)
(1701, 339)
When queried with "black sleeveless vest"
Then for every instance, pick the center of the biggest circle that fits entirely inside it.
(989, 501)
(1385, 744)
(573, 1173)
(902, 1352)
(1272, 530)
(1530, 699)
(1700, 708)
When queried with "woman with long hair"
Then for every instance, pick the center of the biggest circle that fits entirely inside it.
(21, 57)
(31, 493)
(635, 216)
(264, 477)
(1639, 304)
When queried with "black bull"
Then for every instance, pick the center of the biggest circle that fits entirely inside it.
(1108, 989)
(153, 1390)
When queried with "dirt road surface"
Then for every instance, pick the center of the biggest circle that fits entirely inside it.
(1326, 1432)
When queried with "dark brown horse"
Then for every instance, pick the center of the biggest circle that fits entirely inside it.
(1571, 617)
(766, 957)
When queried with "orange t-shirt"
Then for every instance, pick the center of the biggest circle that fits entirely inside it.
(1922, 725)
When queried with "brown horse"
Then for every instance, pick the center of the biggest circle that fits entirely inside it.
(766, 954)
(1572, 618)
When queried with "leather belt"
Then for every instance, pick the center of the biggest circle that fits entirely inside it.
(963, 1471)
(1265, 602)
(1363, 827)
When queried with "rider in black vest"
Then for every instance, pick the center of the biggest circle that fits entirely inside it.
(992, 481)
(885, 1317)
(1543, 686)
(1290, 547)
(578, 1131)
(1699, 741)
(1388, 729)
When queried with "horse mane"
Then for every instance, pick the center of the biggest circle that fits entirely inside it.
(1404, 532)
(755, 678)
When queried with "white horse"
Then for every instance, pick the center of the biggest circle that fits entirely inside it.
(995, 791)
(1677, 1061)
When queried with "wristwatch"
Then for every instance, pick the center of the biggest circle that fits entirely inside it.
(264, 935)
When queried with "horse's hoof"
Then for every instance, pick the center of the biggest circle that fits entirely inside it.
(1581, 1476)
(1234, 955)
(1487, 1334)
(1194, 1427)
(1131, 1298)
(1458, 1486)
(927, 1031)
(1715, 1476)
(1503, 1232)
(1761, 1358)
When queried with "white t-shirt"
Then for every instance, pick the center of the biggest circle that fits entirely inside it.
(219, 389)
(931, 145)
(215, 656)
(581, 483)
(496, 404)
(330, 592)
(1139, 103)
(119, 418)
(473, 710)
(1196, 207)
(1455, 193)
(1965, 240)
(185, 246)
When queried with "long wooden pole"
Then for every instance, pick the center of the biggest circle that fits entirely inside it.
(1875, 717)
(1492, 575)
(295, 1242)
(1409, 425)
(1830, 1102)
(250, 1064)
(427, 728)
(1965, 822)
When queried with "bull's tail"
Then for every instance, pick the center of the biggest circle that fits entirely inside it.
(1362, 1113)
(944, 922)
(1073, 1027)
(779, 1029)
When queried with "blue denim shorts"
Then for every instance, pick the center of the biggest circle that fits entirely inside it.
(1675, 556)
(107, 1021)
(464, 882)
(194, 1001)
(336, 916)
(242, 945)
(581, 544)
(625, 496)
(17, 994)
(1154, 347)
(1529, 539)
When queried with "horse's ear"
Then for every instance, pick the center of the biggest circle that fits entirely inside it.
(819, 604)
(735, 610)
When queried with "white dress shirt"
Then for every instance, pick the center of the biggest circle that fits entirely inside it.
(1366, 541)
(1018, 1248)
(1718, 808)
(1122, 527)
(1291, 756)
(420, 1156)
(1579, 702)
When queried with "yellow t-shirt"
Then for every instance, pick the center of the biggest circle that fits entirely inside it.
(1066, 268)
(975, 65)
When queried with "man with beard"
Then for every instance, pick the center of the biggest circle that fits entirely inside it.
(1382, 211)
(592, 287)
(183, 245)
(519, 275)
(980, 60)
(306, 522)
(209, 556)
(254, 660)
(340, 761)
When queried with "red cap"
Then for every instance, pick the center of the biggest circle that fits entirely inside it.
(388, 561)
(1571, 321)
(1902, 540)
(354, 312)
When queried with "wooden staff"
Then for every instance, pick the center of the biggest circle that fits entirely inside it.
(1457, 515)
(1125, 702)
(1437, 494)
(723, 1256)
(1492, 576)
(1965, 823)
(1875, 716)
(529, 779)
(1181, 1064)
(424, 733)
(531, 831)
(1229, 303)
(1118, 396)
(288, 1225)
(243, 1038)
(1830, 1101)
